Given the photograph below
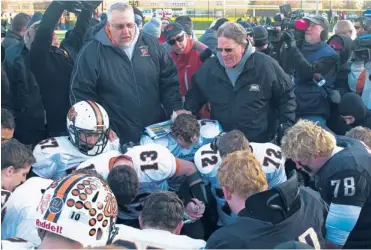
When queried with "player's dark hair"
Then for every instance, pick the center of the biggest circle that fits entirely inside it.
(15, 154)
(232, 141)
(7, 119)
(124, 183)
(185, 127)
(20, 21)
(89, 171)
(162, 210)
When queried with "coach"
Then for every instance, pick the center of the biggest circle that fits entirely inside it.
(247, 90)
(128, 73)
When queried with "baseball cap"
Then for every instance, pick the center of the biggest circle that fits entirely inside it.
(260, 36)
(172, 29)
(318, 20)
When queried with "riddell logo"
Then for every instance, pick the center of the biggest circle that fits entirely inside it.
(48, 226)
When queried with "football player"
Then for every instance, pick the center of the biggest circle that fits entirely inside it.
(266, 217)
(186, 136)
(153, 164)
(361, 133)
(88, 128)
(161, 221)
(341, 168)
(76, 211)
(209, 157)
(16, 161)
(21, 210)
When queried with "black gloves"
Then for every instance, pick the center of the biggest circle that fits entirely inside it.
(90, 5)
(289, 39)
(280, 133)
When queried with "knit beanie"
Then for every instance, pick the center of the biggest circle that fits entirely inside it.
(153, 27)
(351, 104)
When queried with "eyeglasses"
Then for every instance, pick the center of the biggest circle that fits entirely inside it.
(122, 26)
(227, 50)
(178, 39)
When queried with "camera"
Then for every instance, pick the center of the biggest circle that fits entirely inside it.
(362, 48)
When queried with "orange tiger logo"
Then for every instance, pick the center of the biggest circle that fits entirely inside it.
(71, 114)
(110, 209)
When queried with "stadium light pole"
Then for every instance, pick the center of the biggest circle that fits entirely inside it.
(317, 5)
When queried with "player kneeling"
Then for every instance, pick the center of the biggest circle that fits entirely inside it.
(152, 165)
(186, 136)
(74, 212)
(161, 221)
(88, 128)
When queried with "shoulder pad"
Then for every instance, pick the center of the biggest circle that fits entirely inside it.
(209, 128)
(207, 159)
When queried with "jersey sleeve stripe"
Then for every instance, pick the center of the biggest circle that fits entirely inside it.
(340, 222)
(177, 166)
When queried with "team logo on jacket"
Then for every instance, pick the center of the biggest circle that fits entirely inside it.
(144, 50)
(254, 87)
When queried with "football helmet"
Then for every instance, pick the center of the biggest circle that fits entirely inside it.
(88, 127)
(81, 208)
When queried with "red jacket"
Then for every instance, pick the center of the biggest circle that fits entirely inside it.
(187, 64)
(162, 38)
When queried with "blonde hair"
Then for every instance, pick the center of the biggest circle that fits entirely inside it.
(361, 133)
(242, 174)
(306, 140)
(30, 33)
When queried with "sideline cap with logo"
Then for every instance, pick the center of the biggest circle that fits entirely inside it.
(172, 29)
(81, 208)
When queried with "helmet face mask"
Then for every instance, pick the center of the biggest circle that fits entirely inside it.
(88, 127)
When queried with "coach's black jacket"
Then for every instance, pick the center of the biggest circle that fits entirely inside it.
(52, 66)
(261, 98)
(135, 93)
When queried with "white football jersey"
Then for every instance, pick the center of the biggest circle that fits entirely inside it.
(133, 238)
(272, 161)
(16, 243)
(20, 214)
(56, 155)
(153, 163)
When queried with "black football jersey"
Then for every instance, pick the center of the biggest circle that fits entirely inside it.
(305, 225)
(345, 179)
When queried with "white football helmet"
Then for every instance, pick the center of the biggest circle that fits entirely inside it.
(88, 127)
(81, 208)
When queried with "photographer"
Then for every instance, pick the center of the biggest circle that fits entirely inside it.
(360, 69)
(314, 64)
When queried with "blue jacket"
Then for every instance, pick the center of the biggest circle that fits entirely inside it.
(319, 58)
(209, 39)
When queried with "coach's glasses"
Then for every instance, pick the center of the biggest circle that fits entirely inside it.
(227, 50)
(178, 39)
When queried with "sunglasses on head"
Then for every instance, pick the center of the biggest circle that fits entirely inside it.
(178, 39)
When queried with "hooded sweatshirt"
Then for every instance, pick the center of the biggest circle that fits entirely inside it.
(342, 45)
(351, 104)
(233, 73)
